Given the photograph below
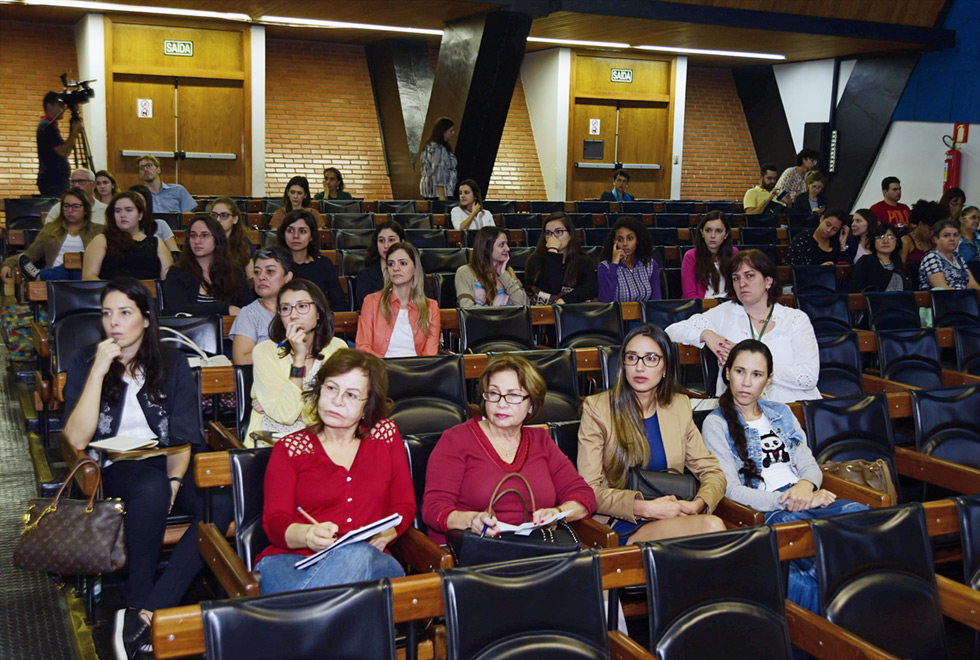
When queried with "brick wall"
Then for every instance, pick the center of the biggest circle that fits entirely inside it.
(32, 56)
(517, 171)
(719, 159)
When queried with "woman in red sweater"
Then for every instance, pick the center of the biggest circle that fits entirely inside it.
(470, 459)
(347, 470)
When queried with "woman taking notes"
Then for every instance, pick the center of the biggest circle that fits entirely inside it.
(399, 321)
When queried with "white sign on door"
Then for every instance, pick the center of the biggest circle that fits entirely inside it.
(593, 127)
(144, 108)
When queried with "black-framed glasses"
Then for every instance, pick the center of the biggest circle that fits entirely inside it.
(285, 309)
(649, 360)
(512, 398)
(72, 206)
(558, 233)
(220, 216)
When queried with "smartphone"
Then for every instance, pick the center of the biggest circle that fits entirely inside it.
(779, 197)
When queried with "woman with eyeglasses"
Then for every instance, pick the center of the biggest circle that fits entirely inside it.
(558, 271)
(470, 213)
(284, 365)
(346, 470)
(240, 249)
(298, 234)
(203, 281)
(488, 280)
(882, 270)
(470, 460)
(644, 422)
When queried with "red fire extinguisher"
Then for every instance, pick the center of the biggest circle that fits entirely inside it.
(951, 168)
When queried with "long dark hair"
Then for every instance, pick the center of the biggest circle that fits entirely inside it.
(644, 244)
(324, 324)
(302, 183)
(757, 260)
(475, 187)
(704, 262)
(372, 250)
(726, 402)
(481, 259)
(438, 136)
(575, 258)
(79, 194)
(116, 239)
(239, 249)
(148, 224)
(301, 215)
(148, 360)
(872, 219)
(223, 281)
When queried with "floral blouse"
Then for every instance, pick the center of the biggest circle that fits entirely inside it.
(438, 169)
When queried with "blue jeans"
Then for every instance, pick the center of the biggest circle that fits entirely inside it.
(357, 562)
(58, 273)
(802, 587)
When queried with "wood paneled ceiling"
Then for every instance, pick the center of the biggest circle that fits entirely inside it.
(798, 29)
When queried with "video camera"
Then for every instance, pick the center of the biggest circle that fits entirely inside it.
(75, 94)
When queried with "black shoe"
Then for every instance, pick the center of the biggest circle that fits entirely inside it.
(131, 635)
(27, 268)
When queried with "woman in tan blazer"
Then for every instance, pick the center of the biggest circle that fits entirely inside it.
(643, 421)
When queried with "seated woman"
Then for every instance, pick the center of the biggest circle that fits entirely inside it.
(298, 234)
(882, 270)
(919, 239)
(754, 281)
(124, 248)
(471, 458)
(130, 385)
(702, 267)
(470, 213)
(764, 453)
(952, 202)
(273, 268)
(814, 202)
(558, 271)
(204, 281)
(399, 321)
(155, 226)
(943, 268)
(858, 242)
(627, 270)
(240, 249)
(296, 197)
(621, 179)
(347, 470)
(487, 281)
(371, 277)
(71, 231)
(300, 339)
(642, 421)
(333, 185)
(822, 246)
(105, 186)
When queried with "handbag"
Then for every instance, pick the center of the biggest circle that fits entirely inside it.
(873, 474)
(73, 537)
(471, 549)
(653, 483)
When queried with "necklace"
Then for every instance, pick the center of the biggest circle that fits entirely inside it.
(764, 325)
(507, 455)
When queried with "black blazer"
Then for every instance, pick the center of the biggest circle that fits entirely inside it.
(180, 295)
(802, 203)
(869, 275)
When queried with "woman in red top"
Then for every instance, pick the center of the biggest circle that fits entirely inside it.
(346, 471)
(470, 459)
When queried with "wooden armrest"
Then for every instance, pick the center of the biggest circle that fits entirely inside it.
(86, 477)
(220, 438)
(953, 378)
(212, 469)
(595, 534)
(821, 638)
(856, 492)
(874, 384)
(959, 602)
(420, 552)
(42, 388)
(227, 566)
(41, 339)
(937, 471)
(622, 647)
(738, 515)
(59, 381)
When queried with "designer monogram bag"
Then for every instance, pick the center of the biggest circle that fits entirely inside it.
(73, 537)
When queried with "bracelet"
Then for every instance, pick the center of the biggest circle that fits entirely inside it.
(179, 480)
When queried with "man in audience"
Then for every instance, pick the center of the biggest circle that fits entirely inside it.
(85, 180)
(969, 247)
(764, 198)
(167, 197)
(52, 149)
(793, 179)
(273, 268)
(621, 179)
(888, 209)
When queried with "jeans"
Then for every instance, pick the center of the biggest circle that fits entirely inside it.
(58, 273)
(802, 587)
(357, 562)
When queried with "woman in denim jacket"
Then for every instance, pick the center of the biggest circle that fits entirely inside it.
(764, 454)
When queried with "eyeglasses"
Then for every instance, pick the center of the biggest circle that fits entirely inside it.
(886, 237)
(558, 233)
(649, 360)
(285, 309)
(79, 182)
(512, 398)
(71, 206)
(146, 166)
(220, 216)
(204, 235)
(348, 397)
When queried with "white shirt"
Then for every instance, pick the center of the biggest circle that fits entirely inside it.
(402, 342)
(483, 219)
(98, 212)
(796, 357)
(779, 472)
(70, 244)
(721, 292)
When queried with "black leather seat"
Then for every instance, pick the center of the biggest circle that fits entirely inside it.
(558, 369)
(352, 221)
(333, 206)
(565, 435)
(874, 568)
(428, 393)
(518, 257)
(814, 279)
(443, 260)
(911, 357)
(664, 236)
(247, 493)
(709, 371)
(545, 206)
(68, 297)
(395, 206)
(419, 448)
(537, 608)
(205, 331)
(946, 423)
(352, 239)
(967, 342)
(427, 238)
(672, 220)
(955, 308)
(348, 621)
(26, 207)
(665, 312)
(413, 220)
(243, 398)
(500, 206)
(351, 262)
(522, 220)
(762, 220)
(592, 206)
(73, 332)
(444, 287)
(582, 325)
(968, 512)
(894, 310)
(681, 206)
(717, 596)
(758, 235)
(486, 329)
(767, 249)
(829, 314)
(594, 235)
(271, 204)
(840, 365)
(637, 207)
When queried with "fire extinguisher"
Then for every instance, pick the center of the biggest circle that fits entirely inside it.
(951, 168)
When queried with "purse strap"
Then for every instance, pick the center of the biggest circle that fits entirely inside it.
(71, 475)
(497, 493)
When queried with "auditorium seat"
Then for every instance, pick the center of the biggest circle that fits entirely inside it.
(637, 207)
(829, 314)
(503, 329)
(596, 236)
(762, 220)
(347, 239)
(427, 238)
(967, 341)
(946, 423)
(351, 221)
(669, 310)
(911, 357)
(412, 220)
(350, 262)
(840, 365)
(522, 220)
(664, 236)
(496, 206)
(757, 235)
(955, 308)
(334, 206)
(395, 206)
(565, 435)
(592, 206)
(686, 207)
(583, 325)
(428, 393)
(545, 207)
(814, 280)
(443, 260)
(673, 221)
(558, 369)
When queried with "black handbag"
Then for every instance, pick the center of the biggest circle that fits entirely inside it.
(653, 484)
(471, 549)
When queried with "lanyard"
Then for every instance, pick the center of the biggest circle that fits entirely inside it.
(764, 325)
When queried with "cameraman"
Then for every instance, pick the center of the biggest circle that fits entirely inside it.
(52, 149)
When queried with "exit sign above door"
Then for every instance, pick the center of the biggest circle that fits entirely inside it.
(621, 75)
(180, 48)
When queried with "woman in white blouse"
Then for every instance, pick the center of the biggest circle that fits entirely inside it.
(470, 213)
(754, 314)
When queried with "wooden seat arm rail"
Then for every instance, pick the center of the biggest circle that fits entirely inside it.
(856, 492)
(738, 515)
(819, 637)
(220, 557)
(936, 471)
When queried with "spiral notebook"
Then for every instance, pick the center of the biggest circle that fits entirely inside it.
(353, 536)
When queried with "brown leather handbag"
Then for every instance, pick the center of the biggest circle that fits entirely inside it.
(73, 537)
(873, 474)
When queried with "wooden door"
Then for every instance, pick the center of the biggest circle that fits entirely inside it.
(644, 138)
(133, 133)
(210, 120)
(587, 182)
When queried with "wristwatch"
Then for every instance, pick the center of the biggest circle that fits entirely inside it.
(297, 372)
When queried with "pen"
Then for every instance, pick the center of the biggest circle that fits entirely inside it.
(280, 345)
(484, 530)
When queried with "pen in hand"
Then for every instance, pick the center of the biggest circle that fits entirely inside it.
(307, 516)
(484, 530)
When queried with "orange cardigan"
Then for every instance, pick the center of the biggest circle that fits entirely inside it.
(374, 332)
